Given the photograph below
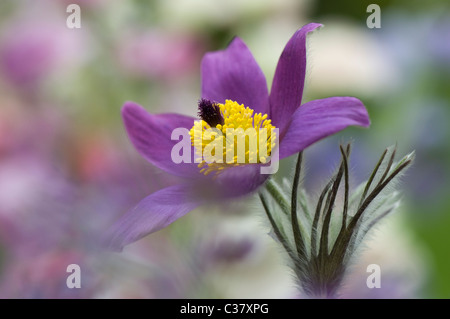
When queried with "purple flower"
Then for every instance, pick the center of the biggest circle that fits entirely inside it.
(35, 47)
(230, 75)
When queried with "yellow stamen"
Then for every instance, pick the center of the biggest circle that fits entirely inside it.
(220, 147)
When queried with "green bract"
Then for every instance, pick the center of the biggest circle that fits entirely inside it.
(321, 239)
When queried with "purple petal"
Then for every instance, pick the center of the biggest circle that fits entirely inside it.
(321, 118)
(234, 74)
(238, 181)
(153, 213)
(287, 87)
(151, 135)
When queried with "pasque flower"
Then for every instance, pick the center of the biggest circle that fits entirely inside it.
(234, 94)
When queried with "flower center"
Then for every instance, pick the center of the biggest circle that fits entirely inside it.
(229, 135)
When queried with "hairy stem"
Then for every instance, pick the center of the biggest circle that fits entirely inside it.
(298, 238)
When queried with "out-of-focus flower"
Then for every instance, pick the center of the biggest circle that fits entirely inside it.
(33, 48)
(158, 55)
(226, 243)
(411, 43)
(45, 229)
(38, 244)
(349, 60)
(439, 39)
(21, 123)
(44, 276)
(232, 256)
(229, 249)
(24, 175)
(227, 76)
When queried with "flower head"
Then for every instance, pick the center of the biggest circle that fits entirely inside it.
(234, 95)
(221, 123)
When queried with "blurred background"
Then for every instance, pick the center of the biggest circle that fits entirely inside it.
(68, 171)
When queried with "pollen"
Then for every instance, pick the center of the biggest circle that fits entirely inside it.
(229, 135)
